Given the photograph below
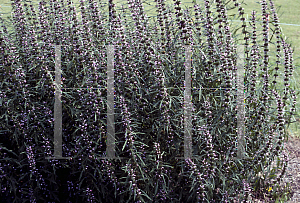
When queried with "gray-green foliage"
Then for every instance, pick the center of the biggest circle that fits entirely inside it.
(149, 76)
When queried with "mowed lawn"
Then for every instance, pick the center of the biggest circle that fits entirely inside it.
(288, 11)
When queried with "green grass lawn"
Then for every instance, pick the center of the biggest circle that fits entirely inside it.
(286, 9)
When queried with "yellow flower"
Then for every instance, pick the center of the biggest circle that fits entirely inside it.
(270, 189)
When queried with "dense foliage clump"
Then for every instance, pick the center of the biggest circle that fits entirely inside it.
(149, 74)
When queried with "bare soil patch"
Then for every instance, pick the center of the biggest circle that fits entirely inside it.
(292, 175)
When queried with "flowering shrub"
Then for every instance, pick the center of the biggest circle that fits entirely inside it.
(149, 85)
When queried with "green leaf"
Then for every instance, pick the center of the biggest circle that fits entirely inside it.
(140, 159)
(145, 194)
(193, 184)
(124, 144)
(156, 188)
(160, 104)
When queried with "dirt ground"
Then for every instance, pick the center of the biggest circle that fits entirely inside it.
(292, 172)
